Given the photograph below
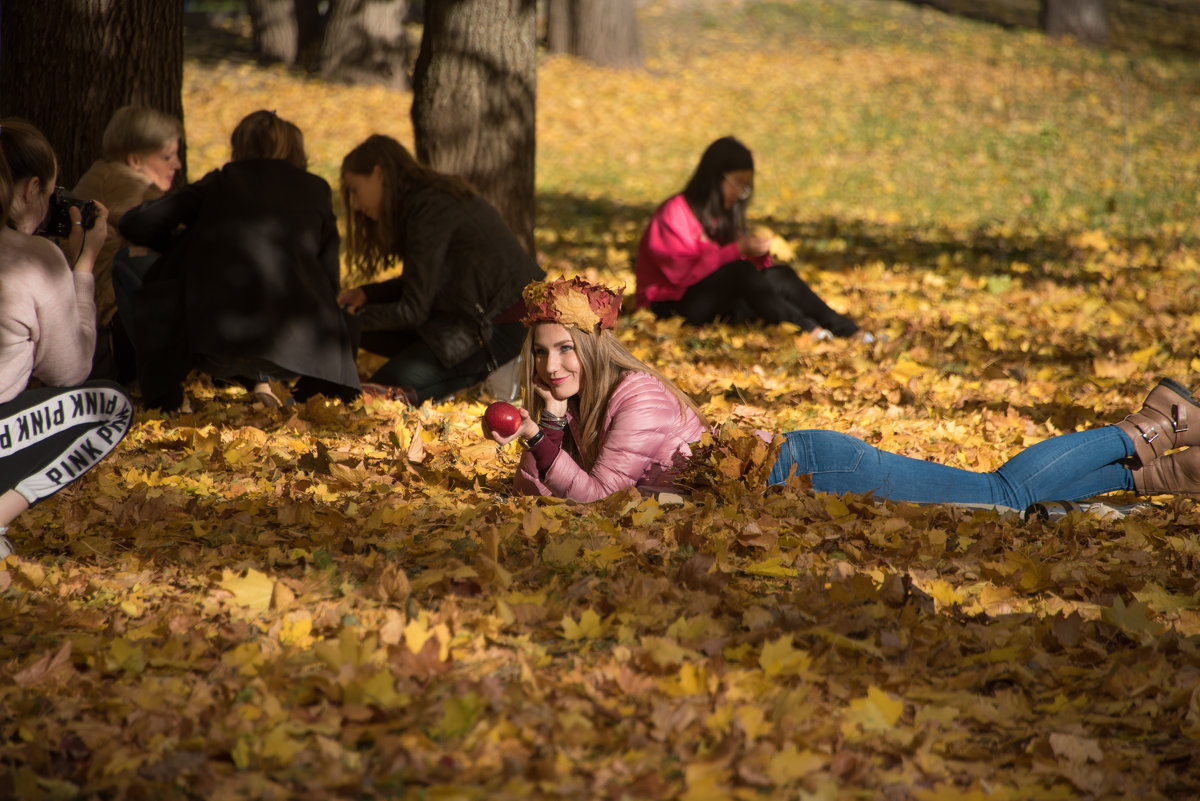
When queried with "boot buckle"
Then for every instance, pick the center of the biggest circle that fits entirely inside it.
(1179, 418)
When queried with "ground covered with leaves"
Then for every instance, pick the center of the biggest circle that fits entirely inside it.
(333, 601)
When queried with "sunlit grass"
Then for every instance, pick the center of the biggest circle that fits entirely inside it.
(859, 108)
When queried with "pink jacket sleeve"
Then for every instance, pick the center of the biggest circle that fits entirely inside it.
(642, 435)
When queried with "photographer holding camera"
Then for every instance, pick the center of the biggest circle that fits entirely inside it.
(53, 428)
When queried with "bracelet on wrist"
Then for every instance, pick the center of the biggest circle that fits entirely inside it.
(529, 442)
(550, 420)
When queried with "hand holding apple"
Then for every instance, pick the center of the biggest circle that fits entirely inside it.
(504, 422)
(503, 418)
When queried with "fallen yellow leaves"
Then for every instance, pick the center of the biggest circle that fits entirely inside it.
(876, 713)
(345, 600)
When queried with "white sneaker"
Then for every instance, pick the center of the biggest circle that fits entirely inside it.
(6, 548)
(266, 396)
(868, 338)
(821, 334)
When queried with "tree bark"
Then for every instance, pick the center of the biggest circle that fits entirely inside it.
(474, 97)
(310, 29)
(1084, 20)
(606, 33)
(560, 26)
(67, 66)
(276, 29)
(365, 43)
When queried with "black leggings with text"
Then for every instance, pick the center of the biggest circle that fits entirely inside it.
(51, 436)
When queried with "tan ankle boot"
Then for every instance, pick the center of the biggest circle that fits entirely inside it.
(1176, 473)
(1164, 421)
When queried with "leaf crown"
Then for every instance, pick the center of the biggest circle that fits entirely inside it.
(572, 302)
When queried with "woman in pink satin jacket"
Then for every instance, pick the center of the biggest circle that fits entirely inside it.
(598, 420)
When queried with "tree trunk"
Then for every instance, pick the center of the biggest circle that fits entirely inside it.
(1084, 20)
(602, 31)
(67, 66)
(606, 32)
(365, 43)
(276, 29)
(310, 29)
(286, 30)
(474, 97)
(560, 26)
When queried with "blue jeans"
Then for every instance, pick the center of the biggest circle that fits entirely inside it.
(1064, 468)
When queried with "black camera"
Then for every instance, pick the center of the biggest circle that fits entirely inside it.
(58, 219)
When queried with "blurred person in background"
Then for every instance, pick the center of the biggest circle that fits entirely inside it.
(140, 156)
(246, 288)
(698, 261)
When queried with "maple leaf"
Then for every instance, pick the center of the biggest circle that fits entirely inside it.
(771, 567)
(780, 657)
(51, 667)
(666, 652)
(691, 679)
(575, 310)
(253, 590)
(589, 626)
(790, 764)
(1133, 619)
(781, 249)
(877, 712)
(1074, 748)
(706, 782)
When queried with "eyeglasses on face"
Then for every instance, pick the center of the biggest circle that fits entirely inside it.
(744, 191)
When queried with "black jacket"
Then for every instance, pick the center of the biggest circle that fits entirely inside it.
(252, 275)
(462, 268)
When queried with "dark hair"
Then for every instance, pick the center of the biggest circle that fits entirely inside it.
(705, 195)
(27, 152)
(265, 135)
(371, 245)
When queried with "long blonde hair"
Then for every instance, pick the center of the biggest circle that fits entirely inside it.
(604, 362)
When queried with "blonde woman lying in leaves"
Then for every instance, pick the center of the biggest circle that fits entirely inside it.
(598, 420)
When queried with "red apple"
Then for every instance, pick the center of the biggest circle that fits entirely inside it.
(503, 418)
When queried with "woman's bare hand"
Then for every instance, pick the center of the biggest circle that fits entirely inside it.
(87, 242)
(527, 429)
(352, 300)
(754, 245)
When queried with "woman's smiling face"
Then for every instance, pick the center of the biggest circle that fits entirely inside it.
(556, 360)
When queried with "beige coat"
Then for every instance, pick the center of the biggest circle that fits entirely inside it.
(120, 188)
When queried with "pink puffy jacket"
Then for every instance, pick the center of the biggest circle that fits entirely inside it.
(675, 253)
(642, 433)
